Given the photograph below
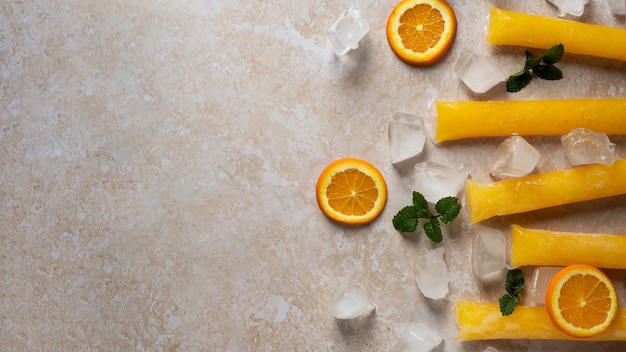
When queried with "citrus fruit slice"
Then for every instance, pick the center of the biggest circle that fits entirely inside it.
(351, 191)
(581, 300)
(420, 32)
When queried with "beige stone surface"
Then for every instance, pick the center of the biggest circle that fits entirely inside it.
(159, 161)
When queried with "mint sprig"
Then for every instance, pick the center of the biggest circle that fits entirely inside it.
(542, 66)
(408, 218)
(513, 285)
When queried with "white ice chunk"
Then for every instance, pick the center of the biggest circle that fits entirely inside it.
(435, 181)
(477, 72)
(534, 293)
(347, 31)
(618, 7)
(406, 137)
(514, 157)
(350, 301)
(490, 349)
(488, 251)
(431, 273)
(417, 338)
(586, 147)
(569, 7)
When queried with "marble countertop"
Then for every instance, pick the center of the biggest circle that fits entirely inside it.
(160, 157)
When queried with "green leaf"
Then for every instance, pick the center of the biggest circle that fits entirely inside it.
(448, 209)
(553, 55)
(433, 230)
(530, 63)
(420, 203)
(516, 83)
(519, 80)
(508, 304)
(514, 283)
(406, 219)
(549, 72)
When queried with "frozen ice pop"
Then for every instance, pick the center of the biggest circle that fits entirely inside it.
(467, 119)
(550, 248)
(544, 190)
(514, 28)
(483, 321)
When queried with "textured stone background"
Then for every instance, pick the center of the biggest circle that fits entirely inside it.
(159, 161)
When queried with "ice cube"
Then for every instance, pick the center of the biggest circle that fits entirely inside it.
(477, 72)
(406, 137)
(417, 338)
(618, 7)
(350, 301)
(569, 7)
(435, 181)
(586, 147)
(489, 249)
(514, 157)
(534, 293)
(490, 349)
(347, 31)
(431, 273)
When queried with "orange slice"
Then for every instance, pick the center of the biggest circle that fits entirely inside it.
(420, 32)
(351, 191)
(581, 301)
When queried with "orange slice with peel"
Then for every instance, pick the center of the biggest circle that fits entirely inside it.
(581, 300)
(351, 191)
(420, 32)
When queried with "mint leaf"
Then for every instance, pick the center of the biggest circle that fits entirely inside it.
(433, 230)
(514, 283)
(508, 304)
(530, 62)
(448, 209)
(406, 219)
(516, 83)
(553, 55)
(419, 201)
(545, 70)
(421, 204)
(548, 72)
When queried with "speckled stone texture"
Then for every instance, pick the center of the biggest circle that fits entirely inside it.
(159, 161)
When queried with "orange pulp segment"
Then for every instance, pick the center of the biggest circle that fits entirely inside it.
(468, 119)
(420, 32)
(544, 190)
(484, 321)
(351, 191)
(581, 301)
(551, 248)
(514, 28)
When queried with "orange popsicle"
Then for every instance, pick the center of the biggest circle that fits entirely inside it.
(467, 119)
(544, 190)
(483, 321)
(550, 248)
(514, 28)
